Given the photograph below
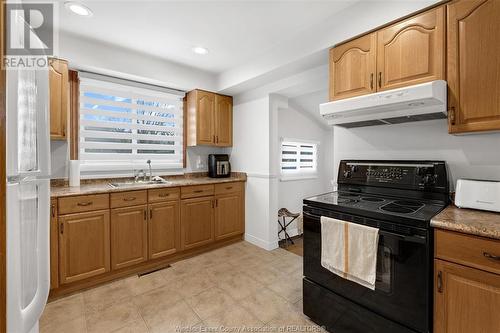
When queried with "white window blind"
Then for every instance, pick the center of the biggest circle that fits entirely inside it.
(299, 159)
(123, 125)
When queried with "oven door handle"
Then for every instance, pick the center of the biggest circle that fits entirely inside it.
(406, 238)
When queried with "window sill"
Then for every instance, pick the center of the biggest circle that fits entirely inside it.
(298, 177)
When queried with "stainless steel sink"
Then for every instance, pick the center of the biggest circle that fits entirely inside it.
(138, 183)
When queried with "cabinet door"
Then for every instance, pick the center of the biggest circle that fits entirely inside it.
(164, 229)
(129, 236)
(223, 121)
(353, 67)
(205, 118)
(54, 245)
(197, 222)
(474, 65)
(412, 51)
(228, 216)
(84, 245)
(466, 299)
(59, 98)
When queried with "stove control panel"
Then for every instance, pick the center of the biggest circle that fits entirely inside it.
(416, 175)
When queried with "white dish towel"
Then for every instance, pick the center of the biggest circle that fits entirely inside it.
(349, 250)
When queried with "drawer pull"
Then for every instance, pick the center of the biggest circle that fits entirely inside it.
(129, 199)
(163, 195)
(198, 191)
(491, 256)
(229, 188)
(84, 204)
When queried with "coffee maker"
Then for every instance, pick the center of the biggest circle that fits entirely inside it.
(218, 166)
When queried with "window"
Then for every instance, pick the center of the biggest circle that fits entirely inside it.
(299, 159)
(124, 124)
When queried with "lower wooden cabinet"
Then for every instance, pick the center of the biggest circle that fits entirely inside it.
(129, 236)
(83, 245)
(197, 222)
(466, 299)
(228, 215)
(164, 229)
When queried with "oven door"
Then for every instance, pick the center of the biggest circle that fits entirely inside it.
(402, 289)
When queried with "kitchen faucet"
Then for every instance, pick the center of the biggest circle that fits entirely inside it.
(150, 172)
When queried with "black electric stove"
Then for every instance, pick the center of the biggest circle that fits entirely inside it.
(399, 198)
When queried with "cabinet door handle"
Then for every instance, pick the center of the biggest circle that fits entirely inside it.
(53, 210)
(217, 139)
(380, 79)
(491, 256)
(440, 282)
(371, 81)
(451, 110)
(213, 203)
(151, 214)
(214, 139)
(129, 199)
(145, 214)
(84, 204)
(216, 202)
(61, 228)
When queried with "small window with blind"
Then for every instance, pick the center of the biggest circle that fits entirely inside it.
(299, 159)
(123, 124)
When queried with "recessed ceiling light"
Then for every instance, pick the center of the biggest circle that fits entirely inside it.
(78, 8)
(200, 50)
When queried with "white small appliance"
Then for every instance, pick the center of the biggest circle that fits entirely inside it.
(28, 194)
(478, 194)
(425, 101)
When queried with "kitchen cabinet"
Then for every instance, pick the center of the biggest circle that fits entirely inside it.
(353, 68)
(412, 51)
(197, 222)
(473, 73)
(129, 236)
(405, 53)
(163, 229)
(84, 249)
(209, 119)
(54, 245)
(228, 215)
(59, 98)
(467, 299)
(466, 283)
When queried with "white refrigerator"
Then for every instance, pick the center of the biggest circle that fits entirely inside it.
(28, 198)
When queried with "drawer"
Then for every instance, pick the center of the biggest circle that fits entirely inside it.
(196, 191)
(131, 198)
(228, 188)
(163, 194)
(473, 251)
(83, 203)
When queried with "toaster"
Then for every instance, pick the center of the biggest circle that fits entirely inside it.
(478, 194)
(218, 166)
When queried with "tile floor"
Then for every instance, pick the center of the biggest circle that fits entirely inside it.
(225, 290)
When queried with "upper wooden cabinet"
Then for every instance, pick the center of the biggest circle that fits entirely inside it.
(412, 51)
(209, 119)
(406, 53)
(353, 68)
(473, 65)
(83, 245)
(59, 98)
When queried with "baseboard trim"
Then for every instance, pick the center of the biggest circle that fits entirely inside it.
(261, 243)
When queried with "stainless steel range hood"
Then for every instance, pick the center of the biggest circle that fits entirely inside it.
(424, 101)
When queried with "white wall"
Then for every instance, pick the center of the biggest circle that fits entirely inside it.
(298, 124)
(468, 156)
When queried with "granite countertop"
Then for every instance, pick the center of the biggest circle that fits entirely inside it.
(468, 221)
(62, 189)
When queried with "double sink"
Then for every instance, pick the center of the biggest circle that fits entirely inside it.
(132, 183)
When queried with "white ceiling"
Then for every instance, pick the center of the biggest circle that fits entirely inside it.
(235, 32)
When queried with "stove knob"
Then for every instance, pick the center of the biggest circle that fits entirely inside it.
(354, 168)
(428, 179)
(347, 174)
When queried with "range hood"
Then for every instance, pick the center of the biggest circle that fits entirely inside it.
(424, 101)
